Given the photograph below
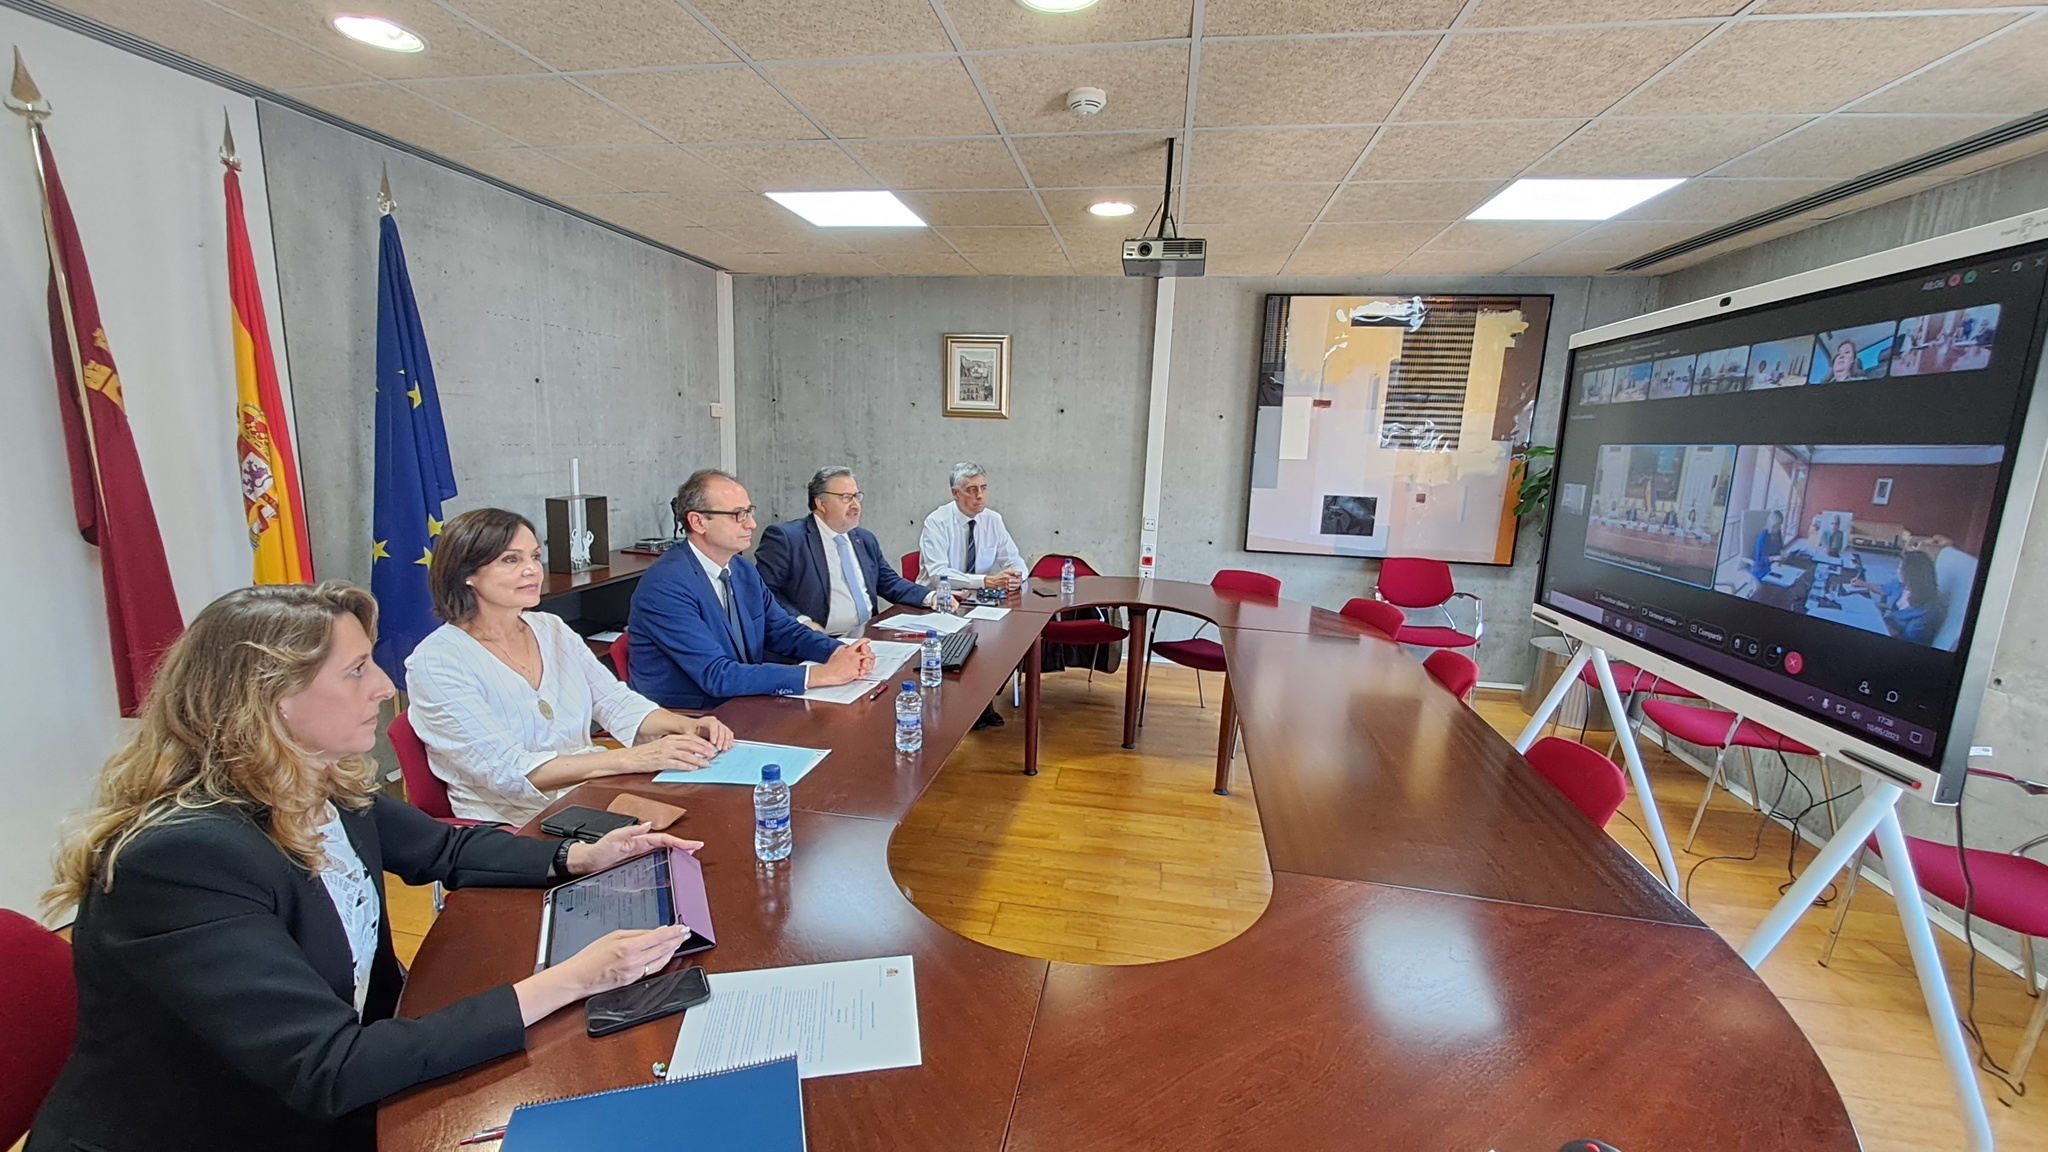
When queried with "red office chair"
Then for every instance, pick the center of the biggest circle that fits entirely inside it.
(2011, 891)
(1416, 584)
(1455, 671)
(622, 660)
(1075, 631)
(1377, 615)
(1593, 783)
(911, 566)
(38, 1017)
(423, 789)
(1713, 728)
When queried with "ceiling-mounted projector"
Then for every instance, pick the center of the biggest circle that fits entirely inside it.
(1164, 256)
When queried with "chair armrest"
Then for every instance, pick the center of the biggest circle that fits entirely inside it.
(1478, 612)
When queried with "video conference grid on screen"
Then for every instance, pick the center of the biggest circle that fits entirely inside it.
(1798, 498)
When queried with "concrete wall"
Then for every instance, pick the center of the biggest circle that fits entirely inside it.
(2014, 720)
(135, 144)
(848, 371)
(843, 369)
(551, 339)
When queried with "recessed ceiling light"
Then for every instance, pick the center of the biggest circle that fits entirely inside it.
(849, 209)
(1111, 208)
(1569, 199)
(378, 32)
(1057, 6)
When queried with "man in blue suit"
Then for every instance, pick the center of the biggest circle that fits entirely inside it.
(828, 569)
(704, 626)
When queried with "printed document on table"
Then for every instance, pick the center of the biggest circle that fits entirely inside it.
(741, 764)
(890, 656)
(940, 622)
(852, 1016)
(988, 612)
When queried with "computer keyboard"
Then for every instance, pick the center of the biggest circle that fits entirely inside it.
(954, 647)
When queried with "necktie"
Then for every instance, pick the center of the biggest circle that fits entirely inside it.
(856, 584)
(969, 566)
(732, 614)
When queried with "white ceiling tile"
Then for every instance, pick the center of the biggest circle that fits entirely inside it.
(1805, 65)
(1020, 264)
(1133, 159)
(652, 168)
(1298, 17)
(888, 97)
(1528, 75)
(1440, 200)
(398, 113)
(1644, 148)
(228, 42)
(1004, 25)
(1004, 241)
(541, 111)
(1580, 262)
(983, 164)
(581, 34)
(1068, 208)
(1850, 145)
(1333, 262)
(1533, 13)
(1722, 199)
(1346, 81)
(711, 105)
(987, 209)
(2006, 76)
(1146, 85)
(455, 46)
(1274, 155)
(536, 171)
(1263, 203)
(1461, 151)
(802, 30)
(803, 167)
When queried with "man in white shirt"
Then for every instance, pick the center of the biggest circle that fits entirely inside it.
(965, 543)
(828, 569)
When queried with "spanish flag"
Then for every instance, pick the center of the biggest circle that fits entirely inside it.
(263, 444)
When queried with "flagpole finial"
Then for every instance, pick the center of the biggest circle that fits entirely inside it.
(228, 156)
(23, 97)
(385, 204)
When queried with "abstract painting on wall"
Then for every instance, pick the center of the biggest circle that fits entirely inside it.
(1387, 426)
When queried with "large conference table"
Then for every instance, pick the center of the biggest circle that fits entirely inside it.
(1452, 958)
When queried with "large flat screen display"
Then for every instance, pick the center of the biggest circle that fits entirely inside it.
(1799, 498)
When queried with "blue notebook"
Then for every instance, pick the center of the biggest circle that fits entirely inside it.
(759, 1108)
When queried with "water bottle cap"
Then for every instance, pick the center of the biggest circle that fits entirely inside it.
(771, 773)
(931, 634)
(910, 686)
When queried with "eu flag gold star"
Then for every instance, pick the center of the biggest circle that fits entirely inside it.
(414, 392)
(377, 551)
(426, 557)
(433, 527)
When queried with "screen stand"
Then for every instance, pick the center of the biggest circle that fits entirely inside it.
(1618, 712)
(1879, 814)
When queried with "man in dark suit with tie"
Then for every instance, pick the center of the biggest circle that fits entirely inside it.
(704, 626)
(828, 569)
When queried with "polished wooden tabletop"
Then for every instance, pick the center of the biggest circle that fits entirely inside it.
(1451, 958)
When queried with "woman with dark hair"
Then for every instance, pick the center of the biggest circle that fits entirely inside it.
(236, 983)
(1915, 608)
(503, 697)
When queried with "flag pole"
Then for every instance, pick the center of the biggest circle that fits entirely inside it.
(25, 100)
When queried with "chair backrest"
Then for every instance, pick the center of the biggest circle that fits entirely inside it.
(38, 1017)
(622, 657)
(1377, 615)
(911, 565)
(1411, 582)
(1593, 783)
(1048, 566)
(1455, 671)
(424, 789)
(1246, 583)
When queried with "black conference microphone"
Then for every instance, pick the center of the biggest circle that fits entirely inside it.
(1588, 1146)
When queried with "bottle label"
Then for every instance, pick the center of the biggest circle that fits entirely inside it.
(771, 823)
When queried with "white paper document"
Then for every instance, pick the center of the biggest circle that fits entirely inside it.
(920, 622)
(852, 1016)
(988, 612)
(890, 656)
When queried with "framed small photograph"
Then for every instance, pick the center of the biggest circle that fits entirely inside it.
(1883, 492)
(977, 375)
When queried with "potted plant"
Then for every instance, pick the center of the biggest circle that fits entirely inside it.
(1533, 483)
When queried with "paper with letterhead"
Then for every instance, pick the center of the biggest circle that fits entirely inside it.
(850, 1016)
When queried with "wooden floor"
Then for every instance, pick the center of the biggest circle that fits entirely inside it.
(1116, 857)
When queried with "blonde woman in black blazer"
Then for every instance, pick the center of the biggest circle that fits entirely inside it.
(229, 994)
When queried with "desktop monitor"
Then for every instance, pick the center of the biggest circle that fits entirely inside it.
(1802, 489)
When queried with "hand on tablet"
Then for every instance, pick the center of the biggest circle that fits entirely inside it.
(622, 844)
(613, 960)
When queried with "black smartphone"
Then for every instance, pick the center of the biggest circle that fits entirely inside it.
(586, 824)
(637, 1003)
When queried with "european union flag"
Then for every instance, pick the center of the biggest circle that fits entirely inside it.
(413, 471)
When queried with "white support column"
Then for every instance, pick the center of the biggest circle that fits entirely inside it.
(728, 387)
(1155, 424)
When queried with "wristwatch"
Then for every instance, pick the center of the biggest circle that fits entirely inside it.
(559, 869)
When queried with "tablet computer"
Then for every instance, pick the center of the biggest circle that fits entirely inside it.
(649, 891)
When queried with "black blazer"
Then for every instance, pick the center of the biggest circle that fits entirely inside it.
(791, 558)
(216, 994)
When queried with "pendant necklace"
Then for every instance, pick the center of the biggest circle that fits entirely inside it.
(547, 711)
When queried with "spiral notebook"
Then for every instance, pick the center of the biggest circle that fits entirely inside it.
(758, 1108)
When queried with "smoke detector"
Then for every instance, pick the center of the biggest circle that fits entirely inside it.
(1086, 102)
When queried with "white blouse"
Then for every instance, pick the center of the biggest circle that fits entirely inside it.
(355, 900)
(486, 728)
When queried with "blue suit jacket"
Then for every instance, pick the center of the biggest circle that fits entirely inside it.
(683, 653)
(792, 561)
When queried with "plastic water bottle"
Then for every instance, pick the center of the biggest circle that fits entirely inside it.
(909, 719)
(772, 835)
(1066, 577)
(932, 666)
(946, 601)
